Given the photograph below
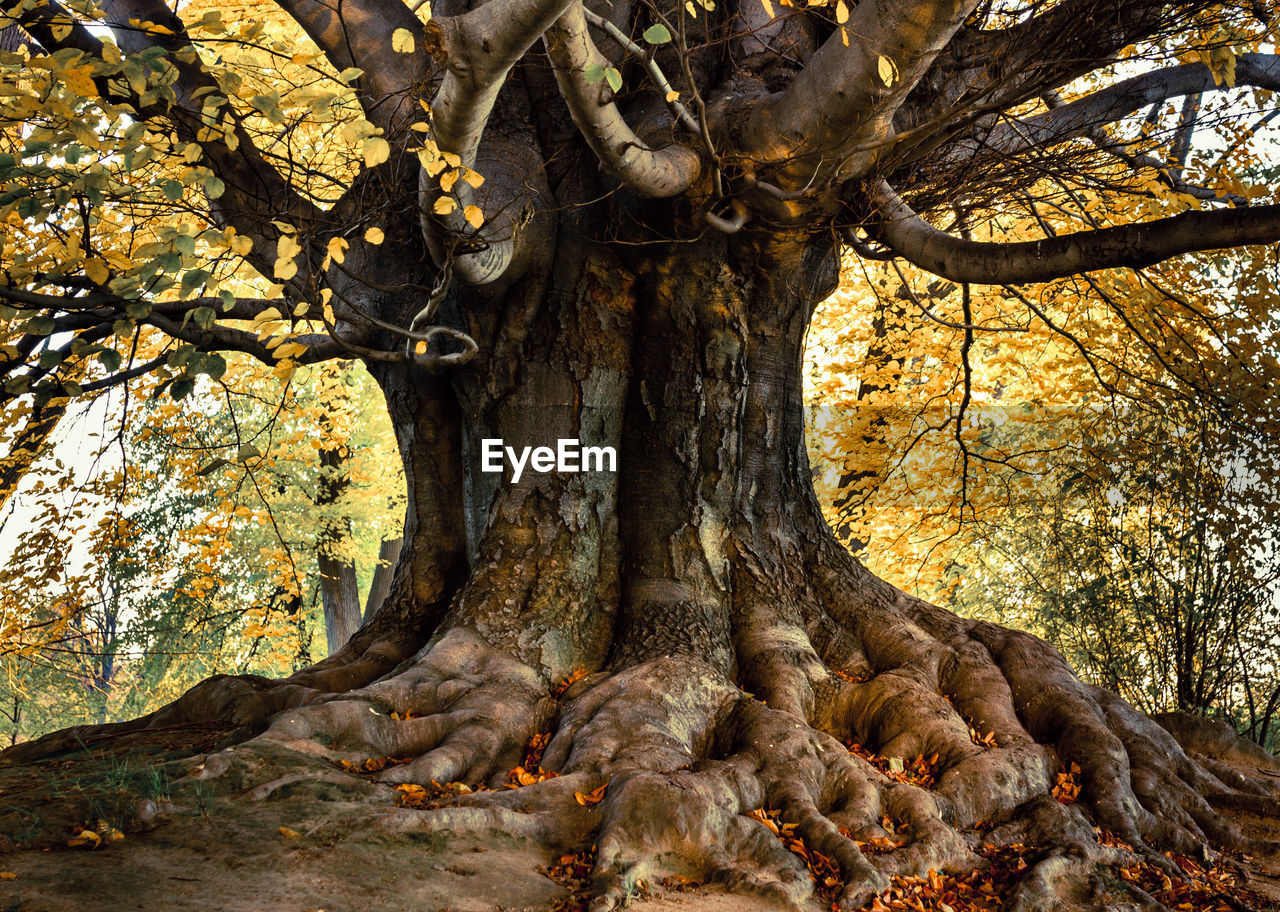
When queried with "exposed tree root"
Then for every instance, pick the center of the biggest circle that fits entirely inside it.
(248, 702)
(667, 767)
(700, 779)
(461, 711)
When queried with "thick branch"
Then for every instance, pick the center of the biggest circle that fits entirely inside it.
(848, 94)
(478, 50)
(358, 33)
(1133, 246)
(652, 172)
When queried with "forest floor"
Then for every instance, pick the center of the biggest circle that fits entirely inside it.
(160, 840)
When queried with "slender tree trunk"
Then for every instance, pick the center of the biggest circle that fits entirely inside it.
(339, 589)
(383, 570)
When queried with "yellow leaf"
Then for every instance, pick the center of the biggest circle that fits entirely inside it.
(672, 95)
(287, 247)
(289, 350)
(374, 236)
(888, 70)
(444, 205)
(842, 12)
(452, 160)
(448, 179)
(473, 215)
(8, 875)
(285, 269)
(376, 151)
(473, 178)
(337, 249)
(402, 41)
(85, 837)
(768, 8)
(288, 833)
(97, 271)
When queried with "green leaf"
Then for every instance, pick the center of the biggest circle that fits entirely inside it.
(182, 388)
(39, 326)
(215, 366)
(172, 190)
(214, 188)
(204, 316)
(214, 466)
(614, 78)
(657, 34)
(593, 73)
(110, 359)
(138, 310)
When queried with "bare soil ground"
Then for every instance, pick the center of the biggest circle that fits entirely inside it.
(171, 843)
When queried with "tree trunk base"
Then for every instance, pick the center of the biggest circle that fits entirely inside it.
(984, 743)
(817, 731)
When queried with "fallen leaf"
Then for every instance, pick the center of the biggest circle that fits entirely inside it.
(85, 837)
(591, 798)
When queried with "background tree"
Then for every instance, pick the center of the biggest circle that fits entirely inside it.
(204, 548)
(620, 234)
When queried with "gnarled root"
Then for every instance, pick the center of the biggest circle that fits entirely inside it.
(462, 711)
(916, 745)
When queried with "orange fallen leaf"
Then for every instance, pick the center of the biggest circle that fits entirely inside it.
(591, 798)
(288, 833)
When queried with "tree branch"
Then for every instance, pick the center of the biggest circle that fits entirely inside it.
(320, 347)
(652, 172)
(358, 33)
(478, 50)
(1111, 104)
(959, 260)
(842, 98)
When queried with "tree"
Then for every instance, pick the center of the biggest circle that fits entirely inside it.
(1148, 560)
(200, 548)
(618, 234)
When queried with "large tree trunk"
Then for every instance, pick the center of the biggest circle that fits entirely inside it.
(722, 646)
